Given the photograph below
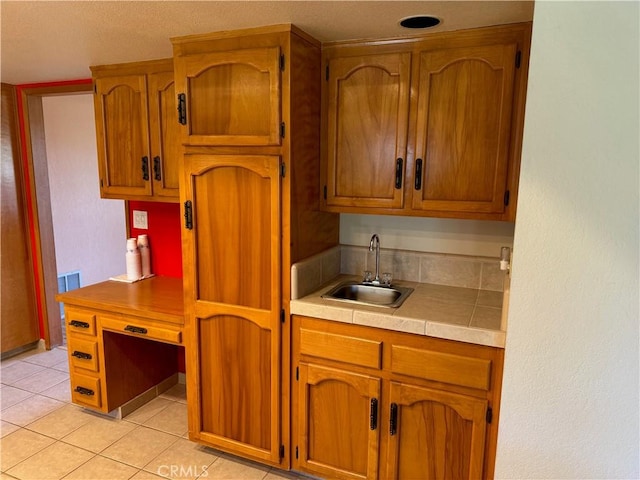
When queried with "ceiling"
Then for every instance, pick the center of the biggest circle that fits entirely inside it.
(43, 41)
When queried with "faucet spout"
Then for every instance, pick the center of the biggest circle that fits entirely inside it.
(375, 243)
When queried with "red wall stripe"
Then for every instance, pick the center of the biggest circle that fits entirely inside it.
(27, 178)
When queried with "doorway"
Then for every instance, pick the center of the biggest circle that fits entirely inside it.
(69, 217)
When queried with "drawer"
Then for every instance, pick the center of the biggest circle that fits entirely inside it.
(85, 390)
(140, 328)
(343, 348)
(441, 367)
(80, 321)
(83, 353)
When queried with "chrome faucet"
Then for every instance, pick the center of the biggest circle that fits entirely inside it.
(375, 240)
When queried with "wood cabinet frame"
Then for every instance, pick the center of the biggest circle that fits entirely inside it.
(473, 397)
(504, 198)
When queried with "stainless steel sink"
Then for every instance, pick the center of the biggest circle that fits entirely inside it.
(365, 294)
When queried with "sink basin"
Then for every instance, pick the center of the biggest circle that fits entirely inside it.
(365, 294)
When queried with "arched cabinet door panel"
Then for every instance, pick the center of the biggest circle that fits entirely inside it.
(435, 434)
(231, 97)
(232, 257)
(463, 128)
(122, 128)
(367, 100)
(337, 438)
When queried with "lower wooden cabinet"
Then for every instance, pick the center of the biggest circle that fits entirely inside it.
(424, 408)
(434, 433)
(338, 420)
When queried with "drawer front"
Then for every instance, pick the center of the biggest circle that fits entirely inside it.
(80, 321)
(83, 354)
(441, 367)
(85, 390)
(142, 329)
(343, 348)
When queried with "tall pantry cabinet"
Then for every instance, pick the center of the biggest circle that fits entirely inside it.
(248, 106)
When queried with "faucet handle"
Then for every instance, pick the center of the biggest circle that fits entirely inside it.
(368, 277)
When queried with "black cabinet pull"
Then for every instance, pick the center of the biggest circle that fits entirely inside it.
(157, 174)
(81, 355)
(85, 391)
(373, 415)
(418, 183)
(182, 109)
(188, 215)
(134, 329)
(398, 173)
(79, 324)
(393, 419)
(145, 168)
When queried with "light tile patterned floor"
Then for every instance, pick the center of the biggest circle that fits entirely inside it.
(44, 436)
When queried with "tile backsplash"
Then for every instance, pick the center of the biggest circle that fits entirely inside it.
(437, 268)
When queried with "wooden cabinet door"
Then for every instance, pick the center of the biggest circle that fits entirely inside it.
(231, 98)
(123, 136)
(337, 436)
(465, 98)
(435, 434)
(164, 130)
(233, 290)
(367, 117)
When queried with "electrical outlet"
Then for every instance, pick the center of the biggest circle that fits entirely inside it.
(140, 220)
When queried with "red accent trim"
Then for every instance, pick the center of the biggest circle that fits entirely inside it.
(27, 180)
(61, 83)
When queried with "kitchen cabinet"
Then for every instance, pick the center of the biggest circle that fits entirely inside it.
(136, 129)
(230, 97)
(368, 114)
(249, 195)
(392, 405)
(428, 126)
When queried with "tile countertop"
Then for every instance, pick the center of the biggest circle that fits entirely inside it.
(453, 313)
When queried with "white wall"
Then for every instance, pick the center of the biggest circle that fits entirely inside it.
(570, 401)
(89, 232)
(463, 237)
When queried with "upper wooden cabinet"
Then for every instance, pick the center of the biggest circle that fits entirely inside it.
(230, 97)
(137, 131)
(430, 126)
(368, 114)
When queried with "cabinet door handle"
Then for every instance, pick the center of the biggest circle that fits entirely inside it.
(157, 174)
(373, 414)
(182, 109)
(188, 215)
(145, 168)
(418, 183)
(81, 355)
(79, 324)
(399, 173)
(134, 329)
(85, 391)
(393, 418)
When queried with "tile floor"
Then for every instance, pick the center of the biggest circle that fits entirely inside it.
(45, 436)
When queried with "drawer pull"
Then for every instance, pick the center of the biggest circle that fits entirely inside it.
(79, 324)
(82, 355)
(373, 416)
(85, 391)
(134, 329)
(393, 419)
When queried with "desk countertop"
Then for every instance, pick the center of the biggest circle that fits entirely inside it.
(158, 298)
